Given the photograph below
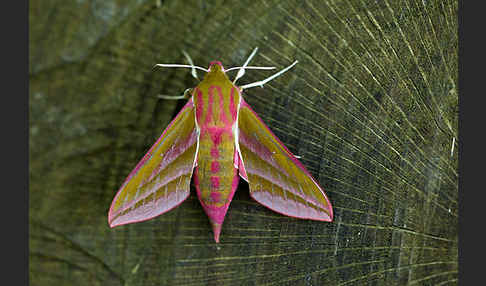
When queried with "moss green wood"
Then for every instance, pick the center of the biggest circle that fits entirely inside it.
(371, 108)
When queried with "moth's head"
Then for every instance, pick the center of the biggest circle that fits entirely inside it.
(216, 72)
(216, 66)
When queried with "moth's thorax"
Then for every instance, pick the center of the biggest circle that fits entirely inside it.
(216, 99)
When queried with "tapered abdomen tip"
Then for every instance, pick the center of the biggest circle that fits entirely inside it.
(216, 231)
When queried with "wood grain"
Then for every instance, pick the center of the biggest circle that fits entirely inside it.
(371, 108)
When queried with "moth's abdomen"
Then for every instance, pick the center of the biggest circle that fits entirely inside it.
(215, 171)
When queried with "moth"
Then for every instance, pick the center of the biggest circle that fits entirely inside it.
(215, 139)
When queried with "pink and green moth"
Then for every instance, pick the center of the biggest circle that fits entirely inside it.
(217, 138)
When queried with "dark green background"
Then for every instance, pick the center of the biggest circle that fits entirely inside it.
(372, 108)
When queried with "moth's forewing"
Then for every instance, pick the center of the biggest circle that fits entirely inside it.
(161, 180)
(276, 178)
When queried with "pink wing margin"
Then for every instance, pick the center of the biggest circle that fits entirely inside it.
(276, 178)
(161, 180)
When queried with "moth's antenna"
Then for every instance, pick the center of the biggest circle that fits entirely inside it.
(193, 69)
(190, 65)
(250, 68)
(180, 66)
(241, 72)
(262, 82)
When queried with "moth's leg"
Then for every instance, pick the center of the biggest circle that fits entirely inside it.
(185, 95)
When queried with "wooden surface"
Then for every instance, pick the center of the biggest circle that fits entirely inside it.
(372, 109)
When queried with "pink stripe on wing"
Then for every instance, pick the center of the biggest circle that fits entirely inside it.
(280, 205)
